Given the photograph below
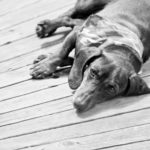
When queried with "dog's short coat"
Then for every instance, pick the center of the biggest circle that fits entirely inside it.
(110, 48)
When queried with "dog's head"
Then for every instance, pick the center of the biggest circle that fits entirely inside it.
(103, 77)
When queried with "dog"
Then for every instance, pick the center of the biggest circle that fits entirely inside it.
(111, 40)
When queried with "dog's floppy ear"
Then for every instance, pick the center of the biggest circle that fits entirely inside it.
(80, 61)
(136, 86)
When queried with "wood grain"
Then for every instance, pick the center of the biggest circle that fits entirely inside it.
(39, 114)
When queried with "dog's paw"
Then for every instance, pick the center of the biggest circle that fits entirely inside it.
(40, 58)
(45, 29)
(43, 68)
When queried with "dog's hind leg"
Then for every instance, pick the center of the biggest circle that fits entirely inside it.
(47, 64)
(71, 18)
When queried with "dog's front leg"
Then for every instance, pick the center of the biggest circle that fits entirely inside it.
(47, 27)
(45, 65)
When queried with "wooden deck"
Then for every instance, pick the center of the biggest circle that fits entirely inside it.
(38, 114)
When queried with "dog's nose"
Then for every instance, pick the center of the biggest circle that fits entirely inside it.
(79, 105)
(38, 29)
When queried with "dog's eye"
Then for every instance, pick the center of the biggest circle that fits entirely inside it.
(93, 73)
(111, 88)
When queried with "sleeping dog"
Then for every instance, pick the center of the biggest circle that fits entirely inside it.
(111, 40)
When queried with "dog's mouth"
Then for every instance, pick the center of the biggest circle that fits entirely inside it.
(83, 105)
(82, 108)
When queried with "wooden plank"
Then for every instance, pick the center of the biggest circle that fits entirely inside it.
(101, 141)
(28, 45)
(26, 59)
(145, 145)
(10, 6)
(30, 12)
(23, 72)
(35, 98)
(30, 51)
(29, 86)
(24, 54)
(86, 127)
(69, 117)
(54, 104)
(14, 77)
(27, 29)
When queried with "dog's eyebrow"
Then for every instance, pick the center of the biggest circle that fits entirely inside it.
(102, 74)
(106, 71)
